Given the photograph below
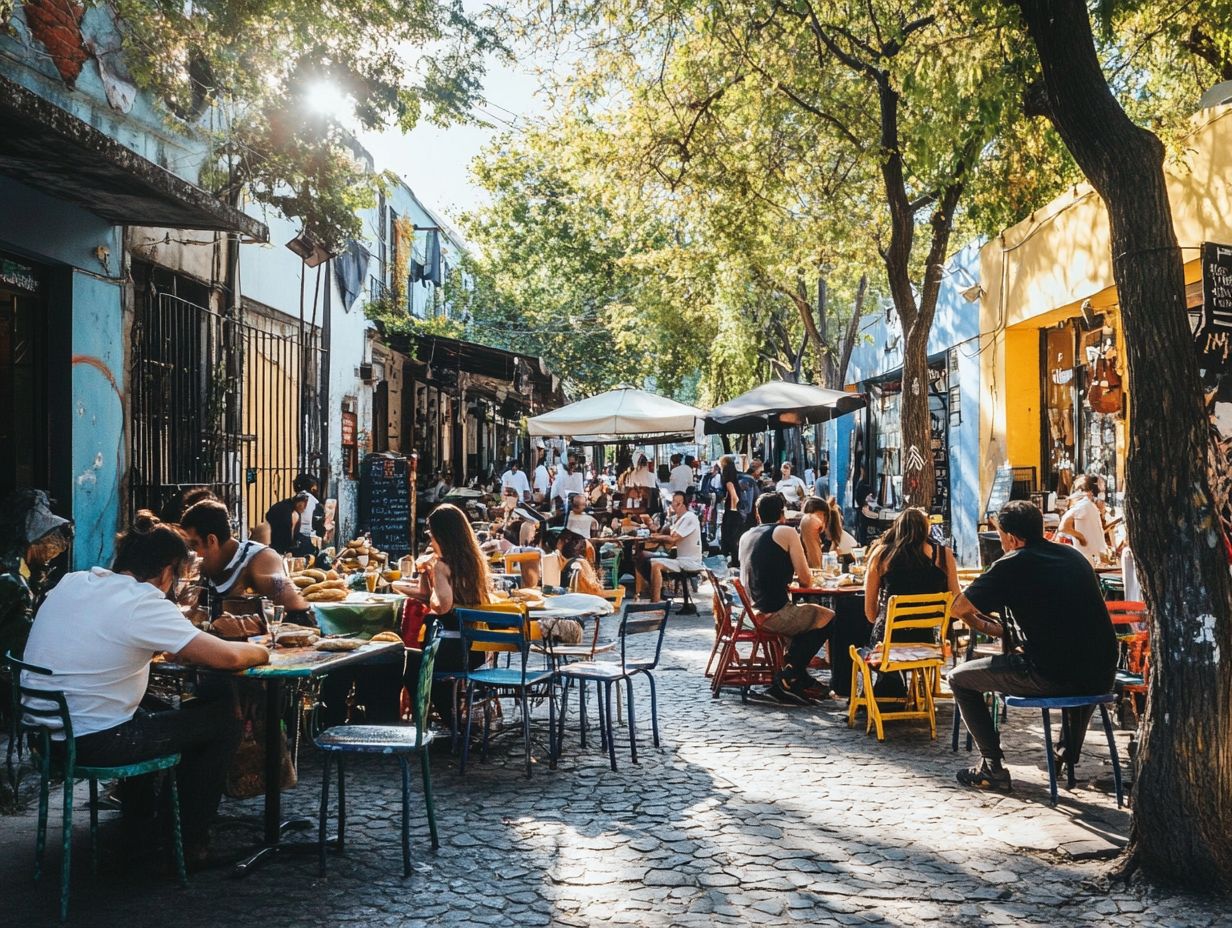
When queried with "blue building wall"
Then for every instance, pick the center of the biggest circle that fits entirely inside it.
(956, 326)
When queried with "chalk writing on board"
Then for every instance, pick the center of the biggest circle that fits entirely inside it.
(385, 502)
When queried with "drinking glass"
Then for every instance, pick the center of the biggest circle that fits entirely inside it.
(370, 580)
(273, 620)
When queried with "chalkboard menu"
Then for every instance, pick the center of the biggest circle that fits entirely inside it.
(385, 502)
(999, 495)
(1216, 287)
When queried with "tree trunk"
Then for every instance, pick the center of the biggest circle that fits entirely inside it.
(916, 453)
(1183, 795)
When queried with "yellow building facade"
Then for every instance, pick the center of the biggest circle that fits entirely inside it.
(1050, 324)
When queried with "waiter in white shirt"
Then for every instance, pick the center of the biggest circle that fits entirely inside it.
(541, 485)
(568, 482)
(681, 476)
(513, 479)
(686, 537)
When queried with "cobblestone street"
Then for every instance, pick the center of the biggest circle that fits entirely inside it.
(748, 814)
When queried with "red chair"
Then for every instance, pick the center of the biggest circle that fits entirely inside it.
(764, 659)
(1130, 622)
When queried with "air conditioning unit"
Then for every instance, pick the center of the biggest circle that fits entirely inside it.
(365, 373)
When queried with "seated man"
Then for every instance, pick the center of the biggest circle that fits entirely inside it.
(685, 535)
(98, 630)
(229, 568)
(1051, 608)
(771, 555)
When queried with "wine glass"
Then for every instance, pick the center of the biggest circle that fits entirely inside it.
(273, 620)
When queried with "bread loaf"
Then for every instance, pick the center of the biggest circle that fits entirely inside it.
(332, 595)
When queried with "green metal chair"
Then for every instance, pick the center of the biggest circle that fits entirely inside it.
(42, 716)
(402, 740)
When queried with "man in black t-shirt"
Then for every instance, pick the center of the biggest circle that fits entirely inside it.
(1058, 637)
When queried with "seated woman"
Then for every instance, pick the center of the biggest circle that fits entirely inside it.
(453, 573)
(822, 531)
(905, 560)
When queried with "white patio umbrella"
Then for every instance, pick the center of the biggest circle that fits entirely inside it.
(623, 413)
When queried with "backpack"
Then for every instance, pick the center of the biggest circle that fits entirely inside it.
(748, 492)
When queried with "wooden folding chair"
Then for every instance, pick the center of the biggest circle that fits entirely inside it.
(765, 656)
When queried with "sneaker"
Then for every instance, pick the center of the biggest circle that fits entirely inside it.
(787, 697)
(985, 777)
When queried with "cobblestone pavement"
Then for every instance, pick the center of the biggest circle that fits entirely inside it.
(748, 814)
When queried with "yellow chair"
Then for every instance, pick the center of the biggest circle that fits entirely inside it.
(921, 660)
(520, 558)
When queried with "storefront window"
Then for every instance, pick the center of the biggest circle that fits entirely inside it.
(1081, 404)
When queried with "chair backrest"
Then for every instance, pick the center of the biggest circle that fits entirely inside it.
(423, 686)
(750, 611)
(643, 619)
(519, 558)
(495, 629)
(720, 602)
(1129, 614)
(916, 611)
(41, 712)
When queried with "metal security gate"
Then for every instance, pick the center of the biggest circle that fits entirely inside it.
(229, 405)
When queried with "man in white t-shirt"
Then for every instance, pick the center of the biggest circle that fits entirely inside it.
(97, 632)
(578, 520)
(681, 476)
(686, 537)
(568, 482)
(514, 479)
(791, 487)
(541, 485)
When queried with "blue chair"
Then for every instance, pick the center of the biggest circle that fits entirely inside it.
(42, 716)
(402, 740)
(504, 632)
(637, 619)
(1046, 705)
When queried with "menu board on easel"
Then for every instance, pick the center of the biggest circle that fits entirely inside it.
(1002, 488)
(385, 502)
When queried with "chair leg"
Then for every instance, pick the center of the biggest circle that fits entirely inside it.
(1070, 777)
(1052, 767)
(406, 815)
(553, 744)
(177, 834)
(853, 701)
(874, 710)
(525, 728)
(466, 740)
(323, 815)
(455, 729)
(632, 724)
(429, 804)
(341, 804)
(611, 734)
(929, 704)
(67, 841)
(954, 734)
(1112, 750)
(93, 826)
(654, 708)
(560, 719)
(40, 842)
(582, 721)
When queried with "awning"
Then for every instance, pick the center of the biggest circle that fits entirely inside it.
(619, 415)
(779, 404)
(52, 150)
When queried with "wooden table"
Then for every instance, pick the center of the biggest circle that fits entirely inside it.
(848, 627)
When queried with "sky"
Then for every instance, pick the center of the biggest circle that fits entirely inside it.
(435, 161)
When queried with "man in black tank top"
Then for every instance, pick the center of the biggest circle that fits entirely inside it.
(771, 556)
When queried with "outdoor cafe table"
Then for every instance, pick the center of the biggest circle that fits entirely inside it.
(848, 627)
(291, 664)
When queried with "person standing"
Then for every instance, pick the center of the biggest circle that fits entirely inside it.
(97, 632)
(514, 480)
(771, 555)
(791, 487)
(1057, 638)
(568, 482)
(680, 478)
(541, 485)
(312, 519)
(821, 486)
(284, 519)
(733, 524)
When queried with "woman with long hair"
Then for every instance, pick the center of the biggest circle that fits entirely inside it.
(906, 560)
(733, 521)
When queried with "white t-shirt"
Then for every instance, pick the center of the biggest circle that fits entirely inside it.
(681, 478)
(565, 484)
(846, 544)
(689, 548)
(97, 631)
(517, 480)
(541, 483)
(582, 523)
(792, 488)
(305, 519)
(1088, 522)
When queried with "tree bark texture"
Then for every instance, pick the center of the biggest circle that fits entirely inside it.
(1183, 795)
